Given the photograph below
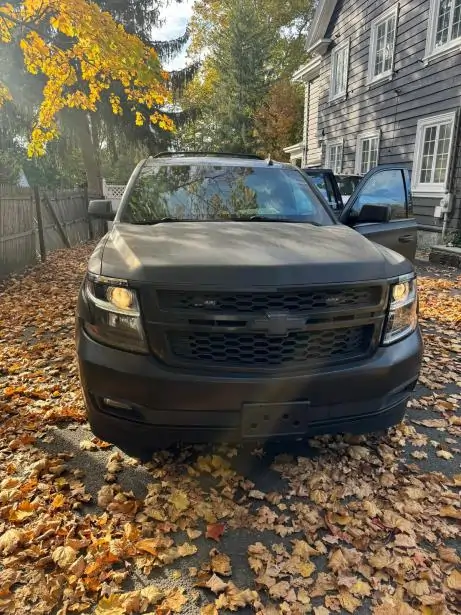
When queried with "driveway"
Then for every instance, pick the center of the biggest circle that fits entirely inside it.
(336, 525)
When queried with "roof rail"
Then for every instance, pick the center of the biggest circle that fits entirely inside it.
(197, 154)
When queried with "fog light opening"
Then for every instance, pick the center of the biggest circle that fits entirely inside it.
(113, 403)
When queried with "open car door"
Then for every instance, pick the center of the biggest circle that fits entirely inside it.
(386, 185)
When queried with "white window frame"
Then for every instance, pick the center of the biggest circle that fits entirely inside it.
(430, 189)
(431, 49)
(364, 136)
(328, 145)
(392, 13)
(333, 56)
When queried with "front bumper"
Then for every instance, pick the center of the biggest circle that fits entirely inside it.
(167, 406)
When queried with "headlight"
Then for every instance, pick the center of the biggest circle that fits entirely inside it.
(402, 317)
(115, 314)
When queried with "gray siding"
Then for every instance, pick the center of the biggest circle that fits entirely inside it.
(393, 107)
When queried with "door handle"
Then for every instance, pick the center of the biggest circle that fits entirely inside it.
(405, 238)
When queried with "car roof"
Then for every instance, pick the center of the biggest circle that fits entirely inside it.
(214, 159)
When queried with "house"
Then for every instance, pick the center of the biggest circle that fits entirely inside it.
(383, 85)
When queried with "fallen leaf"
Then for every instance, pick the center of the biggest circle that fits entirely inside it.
(448, 554)
(394, 606)
(418, 587)
(337, 561)
(180, 501)
(405, 541)
(174, 601)
(10, 541)
(215, 531)
(110, 605)
(361, 588)
(193, 534)
(186, 549)
(149, 545)
(209, 609)
(87, 445)
(348, 601)
(221, 564)
(64, 556)
(152, 593)
(58, 501)
(279, 590)
(235, 598)
(381, 559)
(434, 423)
(444, 454)
(215, 584)
(450, 511)
(454, 580)
(419, 455)
(306, 569)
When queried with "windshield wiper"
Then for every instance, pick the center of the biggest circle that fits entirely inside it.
(274, 218)
(159, 221)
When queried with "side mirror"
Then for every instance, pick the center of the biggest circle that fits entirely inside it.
(101, 209)
(371, 213)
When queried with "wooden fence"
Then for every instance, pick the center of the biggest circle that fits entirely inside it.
(32, 224)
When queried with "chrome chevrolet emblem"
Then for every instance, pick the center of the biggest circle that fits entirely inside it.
(277, 324)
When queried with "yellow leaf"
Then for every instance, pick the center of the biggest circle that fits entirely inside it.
(361, 588)
(180, 501)
(209, 609)
(112, 605)
(450, 511)
(58, 501)
(306, 569)
(454, 580)
(149, 545)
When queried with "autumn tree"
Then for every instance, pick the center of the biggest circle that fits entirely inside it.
(246, 47)
(278, 121)
(78, 53)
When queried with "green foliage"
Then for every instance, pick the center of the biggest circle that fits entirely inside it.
(247, 48)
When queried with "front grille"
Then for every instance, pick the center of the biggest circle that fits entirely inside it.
(312, 348)
(292, 300)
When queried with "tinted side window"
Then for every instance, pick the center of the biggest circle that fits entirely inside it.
(324, 185)
(384, 187)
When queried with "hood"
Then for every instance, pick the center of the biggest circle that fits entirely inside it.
(242, 254)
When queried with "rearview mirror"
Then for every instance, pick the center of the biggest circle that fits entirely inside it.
(101, 209)
(372, 213)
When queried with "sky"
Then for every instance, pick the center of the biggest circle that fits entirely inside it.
(176, 18)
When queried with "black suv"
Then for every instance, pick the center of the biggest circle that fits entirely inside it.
(227, 302)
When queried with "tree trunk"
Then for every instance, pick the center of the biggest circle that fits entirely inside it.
(111, 143)
(90, 155)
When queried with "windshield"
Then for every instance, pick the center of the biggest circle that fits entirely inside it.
(197, 193)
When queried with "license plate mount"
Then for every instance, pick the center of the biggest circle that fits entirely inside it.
(268, 420)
